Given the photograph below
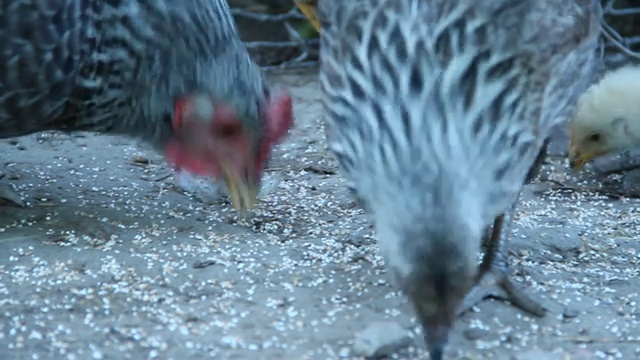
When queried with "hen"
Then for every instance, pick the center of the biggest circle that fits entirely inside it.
(171, 72)
(438, 111)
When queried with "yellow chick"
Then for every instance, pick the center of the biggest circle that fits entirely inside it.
(607, 118)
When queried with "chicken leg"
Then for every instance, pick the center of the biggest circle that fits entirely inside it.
(493, 278)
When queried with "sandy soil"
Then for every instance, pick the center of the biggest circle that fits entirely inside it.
(110, 260)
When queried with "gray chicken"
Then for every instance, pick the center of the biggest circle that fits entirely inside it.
(171, 72)
(436, 111)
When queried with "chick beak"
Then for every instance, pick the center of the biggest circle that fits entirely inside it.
(242, 190)
(578, 160)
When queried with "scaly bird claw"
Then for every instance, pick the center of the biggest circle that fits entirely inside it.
(494, 278)
(496, 284)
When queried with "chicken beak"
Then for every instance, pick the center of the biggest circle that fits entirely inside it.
(436, 337)
(578, 160)
(243, 192)
(436, 325)
(309, 10)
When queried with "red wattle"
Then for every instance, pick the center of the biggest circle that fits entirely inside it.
(181, 160)
(279, 116)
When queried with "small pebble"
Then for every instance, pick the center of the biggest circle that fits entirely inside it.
(570, 313)
(475, 334)
(537, 354)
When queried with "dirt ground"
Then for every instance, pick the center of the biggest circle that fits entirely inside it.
(111, 260)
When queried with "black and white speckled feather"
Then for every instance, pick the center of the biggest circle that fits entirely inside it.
(118, 65)
(436, 110)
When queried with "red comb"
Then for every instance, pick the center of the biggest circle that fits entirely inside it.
(279, 117)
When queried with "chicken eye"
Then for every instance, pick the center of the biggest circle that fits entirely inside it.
(595, 137)
(227, 130)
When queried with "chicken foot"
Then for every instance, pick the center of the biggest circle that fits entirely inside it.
(494, 278)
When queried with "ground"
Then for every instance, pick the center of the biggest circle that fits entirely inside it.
(110, 261)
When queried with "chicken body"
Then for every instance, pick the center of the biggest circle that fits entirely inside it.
(171, 72)
(436, 111)
(608, 117)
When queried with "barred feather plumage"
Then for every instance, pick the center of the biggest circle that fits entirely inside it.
(116, 65)
(427, 83)
(436, 111)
